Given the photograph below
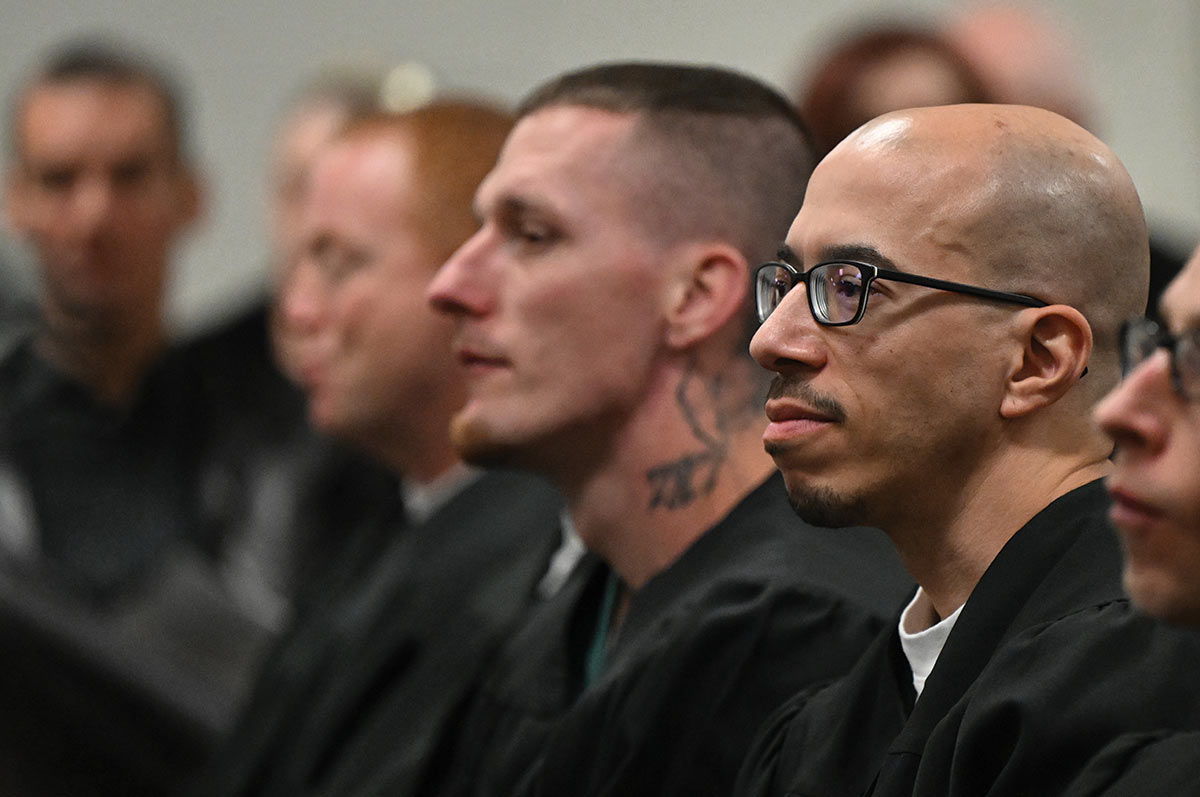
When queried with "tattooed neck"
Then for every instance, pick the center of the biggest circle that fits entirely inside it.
(713, 411)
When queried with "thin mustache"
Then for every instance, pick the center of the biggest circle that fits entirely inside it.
(782, 387)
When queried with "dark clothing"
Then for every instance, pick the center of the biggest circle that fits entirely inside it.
(758, 607)
(102, 488)
(120, 656)
(1137, 765)
(148, 552)
(1166, 261)
(274, 500)
(1046, 663)
(354, 696)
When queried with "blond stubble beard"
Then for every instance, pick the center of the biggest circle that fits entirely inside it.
(472, 438)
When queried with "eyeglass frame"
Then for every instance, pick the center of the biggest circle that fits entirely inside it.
(1162, 338)
(870, 274)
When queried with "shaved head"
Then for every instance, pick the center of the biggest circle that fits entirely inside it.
(1031, 202)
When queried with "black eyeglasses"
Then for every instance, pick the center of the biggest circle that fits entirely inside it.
(838, 289)
(1141, 337)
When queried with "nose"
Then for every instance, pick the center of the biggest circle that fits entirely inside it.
(301, 298)
(1134, 413)
(789, 340)
(93, 206)
(460, 287)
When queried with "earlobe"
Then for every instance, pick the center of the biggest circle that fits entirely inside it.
(708, 290)
(1057, 347)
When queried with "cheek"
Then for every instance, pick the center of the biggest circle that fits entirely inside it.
(1188, 510)
(1164, 580)
(353, 315)
(146, 221)
(1172, 472)
(394, 327)
(919, 404)
(606, 341)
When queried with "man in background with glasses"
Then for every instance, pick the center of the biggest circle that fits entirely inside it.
(952, 276)
(1154, 418)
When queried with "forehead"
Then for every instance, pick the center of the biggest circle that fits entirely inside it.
(905, 202)
(561, 156)
(1181, 301)
(82, 116)
(371, 175)
(302, 135)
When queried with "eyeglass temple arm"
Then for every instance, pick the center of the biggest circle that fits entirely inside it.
(958, 287)
(931, 282)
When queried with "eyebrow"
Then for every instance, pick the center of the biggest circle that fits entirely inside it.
(1169, 316)
(857, 252)
(505, 206)
(517, 205)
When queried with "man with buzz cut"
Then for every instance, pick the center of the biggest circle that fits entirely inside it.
(602, 316)
(940, 322)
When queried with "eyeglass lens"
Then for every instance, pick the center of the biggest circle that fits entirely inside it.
(772, 282)
(835, 290)
(1143, 337)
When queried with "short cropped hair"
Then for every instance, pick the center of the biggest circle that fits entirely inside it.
(106, 61)
(728, 156)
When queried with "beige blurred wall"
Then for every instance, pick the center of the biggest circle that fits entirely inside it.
(243, 59)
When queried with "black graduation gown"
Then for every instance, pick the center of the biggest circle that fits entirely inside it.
(353, 698)
(1157, 763)
(104, 485)
(1046, 663)
(270, 492)
(759, 606)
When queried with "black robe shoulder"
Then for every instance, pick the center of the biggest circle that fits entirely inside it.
(1163, 762)
(760, 606)
(1047, 663)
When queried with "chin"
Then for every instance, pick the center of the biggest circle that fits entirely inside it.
(823, 506)
(321, 418)
(1164, 597)
(475, 441)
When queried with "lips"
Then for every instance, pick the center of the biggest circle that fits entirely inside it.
(475, 359)
(474, 353)
(783, 411)
(311, 377)
(791, 424)
(1132, 513)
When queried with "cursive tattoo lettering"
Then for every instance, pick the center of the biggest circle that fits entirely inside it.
(678, 483)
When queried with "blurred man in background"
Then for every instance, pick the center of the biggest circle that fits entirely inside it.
(1153, 417)
(128, 654)
(399, 629)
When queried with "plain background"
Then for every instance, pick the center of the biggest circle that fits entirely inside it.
(241, 61)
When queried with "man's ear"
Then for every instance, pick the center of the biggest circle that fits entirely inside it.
(1057, 344)
(708, 287)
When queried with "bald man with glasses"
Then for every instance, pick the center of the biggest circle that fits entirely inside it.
(941, 321)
